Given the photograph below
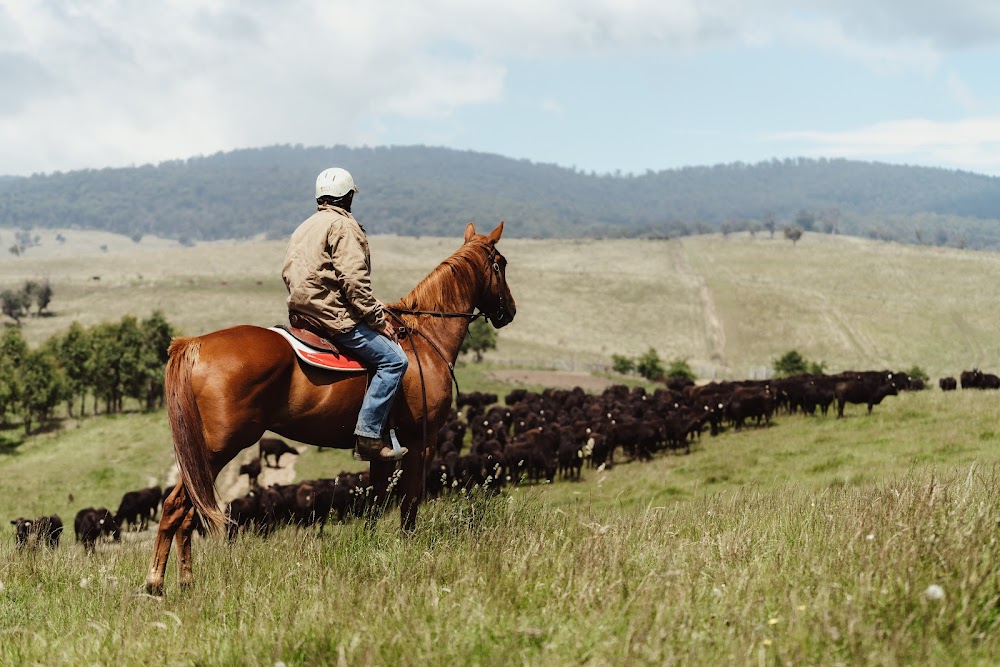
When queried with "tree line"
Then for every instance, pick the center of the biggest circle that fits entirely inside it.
(419, 190)
(106, 363)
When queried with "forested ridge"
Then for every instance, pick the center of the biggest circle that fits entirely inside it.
(418, 190)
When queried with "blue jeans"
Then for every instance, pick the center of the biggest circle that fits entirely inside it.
(387, 358)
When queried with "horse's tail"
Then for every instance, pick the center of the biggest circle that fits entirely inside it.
(190, 447)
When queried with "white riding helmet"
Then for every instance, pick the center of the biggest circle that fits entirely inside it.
(335, 182)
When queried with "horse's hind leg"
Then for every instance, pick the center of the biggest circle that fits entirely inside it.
(175, 508)
(184, 535)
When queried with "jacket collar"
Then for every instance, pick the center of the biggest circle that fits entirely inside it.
(335, 209)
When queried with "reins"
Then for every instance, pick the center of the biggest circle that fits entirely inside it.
(405, 331)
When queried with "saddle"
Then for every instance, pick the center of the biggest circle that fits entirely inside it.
(309, 341)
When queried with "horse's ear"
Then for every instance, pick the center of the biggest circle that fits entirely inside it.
(494, 236)
(470, 231)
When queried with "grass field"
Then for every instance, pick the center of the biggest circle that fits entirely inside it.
(819, 541)
(728, 305)
(812, 541)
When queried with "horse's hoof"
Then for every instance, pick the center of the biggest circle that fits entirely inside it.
(156, 590)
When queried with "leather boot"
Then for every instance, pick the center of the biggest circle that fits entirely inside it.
(373, 449)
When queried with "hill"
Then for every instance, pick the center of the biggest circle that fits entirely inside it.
(729, 304)
(418, 190)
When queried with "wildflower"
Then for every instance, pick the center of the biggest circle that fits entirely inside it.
(717, 592)
(934, 592)
(767, 642)
(801, 607)
(870, 537)
(84, 582)
(773, 621)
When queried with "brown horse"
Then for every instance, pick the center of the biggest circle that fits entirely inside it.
(224, 389)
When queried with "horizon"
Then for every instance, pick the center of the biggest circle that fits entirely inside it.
(621, 174)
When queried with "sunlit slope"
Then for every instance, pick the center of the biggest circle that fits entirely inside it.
(730, 305)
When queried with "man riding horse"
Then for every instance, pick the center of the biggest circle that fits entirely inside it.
(327, 271)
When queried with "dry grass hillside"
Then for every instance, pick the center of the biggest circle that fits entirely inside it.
(729, 305)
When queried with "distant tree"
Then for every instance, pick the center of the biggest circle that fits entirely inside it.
(39, 293)
(481, 337)
(790, 363)
(103, 368)
(157, 334)
(649, 365)
(622, 364)
(805, 220)
(793, 233)
(918, 373)
(769, 223)
(941, 237)
(679, 369)
(830, 220)
(43, 384)
(817, 368)
(73, 349)
(15, 304)
(133, 362)
(13, 350)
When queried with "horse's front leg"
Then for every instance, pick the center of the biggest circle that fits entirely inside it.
(414, 476)
(175, 509)
(184, 535)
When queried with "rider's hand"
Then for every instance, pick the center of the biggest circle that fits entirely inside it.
(389, 332)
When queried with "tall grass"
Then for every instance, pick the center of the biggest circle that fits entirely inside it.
(782, 575)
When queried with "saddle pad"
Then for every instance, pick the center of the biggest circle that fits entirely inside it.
(325, 360)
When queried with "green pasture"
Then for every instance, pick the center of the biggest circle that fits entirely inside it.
(811, 541)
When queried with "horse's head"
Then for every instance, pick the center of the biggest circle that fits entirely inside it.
(495, 301)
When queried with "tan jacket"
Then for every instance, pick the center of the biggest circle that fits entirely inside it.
(327, 272)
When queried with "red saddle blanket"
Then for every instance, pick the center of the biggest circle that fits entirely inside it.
(307, 347)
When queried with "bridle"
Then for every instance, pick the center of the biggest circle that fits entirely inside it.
(501, 314)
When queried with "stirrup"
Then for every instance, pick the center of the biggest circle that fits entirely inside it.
(374, 449)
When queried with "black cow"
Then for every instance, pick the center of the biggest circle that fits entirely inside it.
(313, 502)
(861, 391)
(948, 384)
(138, 507)
(252, 470)
(90, 524)
(45, 529)
(244, 513)
(749, 403)
(275, 447)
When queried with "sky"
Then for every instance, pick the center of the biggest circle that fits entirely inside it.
(605, 86)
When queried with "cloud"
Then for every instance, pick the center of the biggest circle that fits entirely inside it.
(967, 143)
(116, 82)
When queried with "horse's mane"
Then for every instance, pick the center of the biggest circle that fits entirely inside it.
(449, 285)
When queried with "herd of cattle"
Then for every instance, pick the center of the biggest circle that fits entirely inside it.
(530, 437)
